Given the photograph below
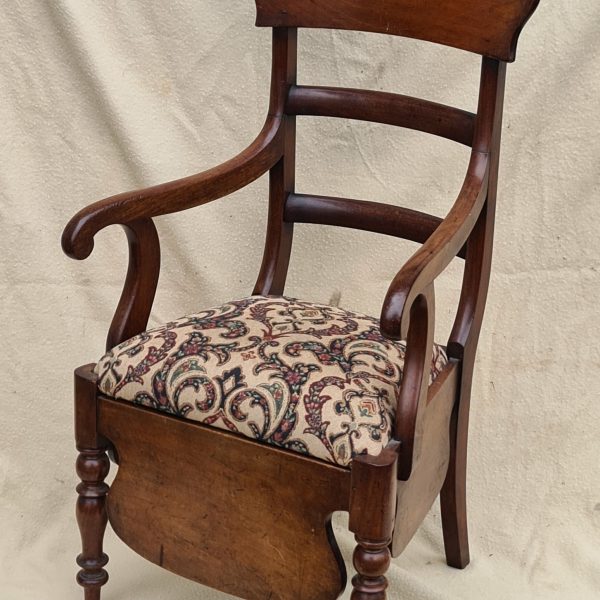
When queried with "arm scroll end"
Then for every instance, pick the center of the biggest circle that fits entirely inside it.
(395, 314)
(75, 241)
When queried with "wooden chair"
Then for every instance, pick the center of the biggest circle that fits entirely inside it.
(248, 511)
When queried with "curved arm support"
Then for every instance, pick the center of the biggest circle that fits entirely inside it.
(175, 196)
(133, 310)
(439, 250)
(412, 398)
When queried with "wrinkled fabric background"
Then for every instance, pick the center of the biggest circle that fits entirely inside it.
(98, 98)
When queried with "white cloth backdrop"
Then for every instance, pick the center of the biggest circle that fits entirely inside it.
(102, 97)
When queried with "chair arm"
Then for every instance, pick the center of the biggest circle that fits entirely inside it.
(409, 308)
(134, 212)
(421, 270)
(175, 196)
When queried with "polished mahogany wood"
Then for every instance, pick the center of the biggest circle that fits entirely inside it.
(438, 251)
(133, 310)
(383, 107)
(467, 326)
(412, 396)
(430, 260)
(250, 520)
(374, 494)
(487, 27)
(376, 217)
(254, 520)
(278, 245)
(175, 196)
(465, 333)
(92, 468)
(431, 457)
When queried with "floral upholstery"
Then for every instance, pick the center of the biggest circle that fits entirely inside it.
(311, 378)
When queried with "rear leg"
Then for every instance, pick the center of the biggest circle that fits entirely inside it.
(453, 497)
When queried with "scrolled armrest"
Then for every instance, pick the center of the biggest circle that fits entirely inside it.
(134, 212)
(409, 308)
(175, 196)
(135, 304)
(419, 273)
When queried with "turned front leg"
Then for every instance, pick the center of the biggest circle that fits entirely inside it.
(92, 468)
(371, 560)
(372, 514)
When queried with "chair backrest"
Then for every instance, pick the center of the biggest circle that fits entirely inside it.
(487, 27)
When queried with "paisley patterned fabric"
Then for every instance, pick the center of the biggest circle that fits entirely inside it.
(307, 377)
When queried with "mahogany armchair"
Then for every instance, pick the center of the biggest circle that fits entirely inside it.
(239, 430)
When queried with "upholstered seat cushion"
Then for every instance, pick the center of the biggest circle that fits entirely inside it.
(307, 377)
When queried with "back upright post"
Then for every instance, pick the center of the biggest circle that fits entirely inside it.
(278, 245)
(465, 333)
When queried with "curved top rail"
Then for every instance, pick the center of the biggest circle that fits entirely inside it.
(487, 27)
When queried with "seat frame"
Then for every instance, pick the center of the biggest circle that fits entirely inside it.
(253, 520)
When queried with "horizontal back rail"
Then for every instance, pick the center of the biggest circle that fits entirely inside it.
(487, 27)
(375, 217)
(383, 107)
